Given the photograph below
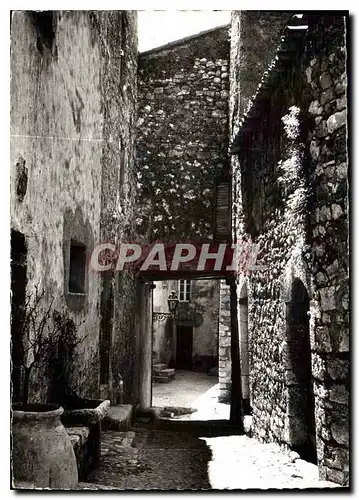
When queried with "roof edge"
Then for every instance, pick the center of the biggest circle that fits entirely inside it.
(180, 41)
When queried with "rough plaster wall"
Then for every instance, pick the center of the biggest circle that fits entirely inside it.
(255, 36)
(118, 35)
(182, 136)
(326, 74)
(205, 295)
(201, 313)
(63, 161)
(60, 126)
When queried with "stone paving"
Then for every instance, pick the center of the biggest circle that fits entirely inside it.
(168, 460)
(183, 390)
(157, 460)
(240, 462)
(192, 390)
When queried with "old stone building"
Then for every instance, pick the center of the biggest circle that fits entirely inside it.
(289, 188)
(288, 178)
(235, 135)
(182, 140)
(192, 342)
(73, 100)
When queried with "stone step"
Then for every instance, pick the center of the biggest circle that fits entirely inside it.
(118, 418)
(158, 378)
(159, 367)
(168, 372)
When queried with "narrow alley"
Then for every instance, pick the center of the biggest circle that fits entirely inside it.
(179, 238)
(168, 460)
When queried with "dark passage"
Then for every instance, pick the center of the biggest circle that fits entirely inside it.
(301, 398)
(184, 347)
(18, 297)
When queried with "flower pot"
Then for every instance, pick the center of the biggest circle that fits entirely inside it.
(42, 453)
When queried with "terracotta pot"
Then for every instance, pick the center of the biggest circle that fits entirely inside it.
(42, 453)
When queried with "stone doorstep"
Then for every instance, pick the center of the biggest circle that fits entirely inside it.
(169, 372)
(118, 418)
(159, 367)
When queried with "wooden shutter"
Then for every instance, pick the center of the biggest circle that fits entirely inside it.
(223, 212)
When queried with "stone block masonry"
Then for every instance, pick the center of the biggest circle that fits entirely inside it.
(182, 135)
(326, 74)
(292, 199)
(224, 345)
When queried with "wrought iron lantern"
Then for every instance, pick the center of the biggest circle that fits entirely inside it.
(172, 306)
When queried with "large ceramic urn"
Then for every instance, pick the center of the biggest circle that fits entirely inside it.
(42, 453)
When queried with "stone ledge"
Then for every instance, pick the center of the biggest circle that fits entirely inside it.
(118, 418)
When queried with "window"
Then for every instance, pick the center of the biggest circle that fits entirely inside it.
(77, 268)
(184, 290)
(44, 24)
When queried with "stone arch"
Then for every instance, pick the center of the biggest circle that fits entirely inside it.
(300, 414)
(243, 345)
(296, 268)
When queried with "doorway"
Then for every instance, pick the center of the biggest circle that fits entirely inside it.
(184, 347)
(185, 350)
(244, 351)
(299, 375)
(18, 300)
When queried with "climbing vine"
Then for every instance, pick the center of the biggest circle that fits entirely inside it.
(292, 179)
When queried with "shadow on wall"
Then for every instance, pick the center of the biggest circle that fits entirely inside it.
(299, 375)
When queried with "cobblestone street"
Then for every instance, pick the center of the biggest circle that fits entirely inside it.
(156, 459)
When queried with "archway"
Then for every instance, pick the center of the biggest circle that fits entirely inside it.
(300, 403)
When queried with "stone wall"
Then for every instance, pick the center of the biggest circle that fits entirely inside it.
(200, 313)
(287, 198)
(224, 345)
(249, 60)
(182, 135)
(66, 125)
(327, 76)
